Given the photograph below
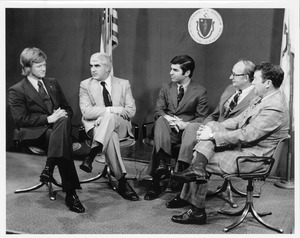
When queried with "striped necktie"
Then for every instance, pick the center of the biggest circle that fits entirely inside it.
(180, 94)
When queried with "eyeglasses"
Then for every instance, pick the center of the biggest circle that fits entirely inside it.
(236, 75)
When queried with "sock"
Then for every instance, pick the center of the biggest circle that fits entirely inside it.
(200, 158)
(51, 162)
(198, 209)
(182, 166)
(122, 180)
(94, 151)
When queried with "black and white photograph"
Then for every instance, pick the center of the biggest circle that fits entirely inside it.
(155, 118)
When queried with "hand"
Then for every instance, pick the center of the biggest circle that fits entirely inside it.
(203, 133)
(98, 121)
(58, 113)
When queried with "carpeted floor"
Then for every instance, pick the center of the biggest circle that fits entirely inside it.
(108, 213)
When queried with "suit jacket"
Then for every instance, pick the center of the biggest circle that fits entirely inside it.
(218, 113)
(28, 109)
(259, 128)
(92, 104)
(192, 108)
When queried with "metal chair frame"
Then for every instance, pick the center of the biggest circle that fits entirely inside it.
(249, 206)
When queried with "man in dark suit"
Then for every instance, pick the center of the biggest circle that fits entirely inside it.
(43, 117)
(234, 100)
(255, 132)
(180, 102)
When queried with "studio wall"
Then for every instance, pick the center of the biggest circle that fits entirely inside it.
(148, 39)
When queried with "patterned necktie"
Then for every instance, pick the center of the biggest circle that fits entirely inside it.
(45, 96)
(233, 103)
(106, 96)
(180, 94)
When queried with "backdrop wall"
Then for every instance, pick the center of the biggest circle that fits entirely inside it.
(148, 40)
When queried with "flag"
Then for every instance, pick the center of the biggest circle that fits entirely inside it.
(109, 34)
(287, 56)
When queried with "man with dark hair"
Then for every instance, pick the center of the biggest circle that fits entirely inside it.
(255, 132)
(179, 103)
(43, 118)
(233, 101)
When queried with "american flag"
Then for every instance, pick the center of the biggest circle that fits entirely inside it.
(109, 33)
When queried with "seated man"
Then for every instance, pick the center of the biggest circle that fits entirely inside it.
(179, 103)
(234, 100)
(107, 105)
(43, 117)
(255, 132)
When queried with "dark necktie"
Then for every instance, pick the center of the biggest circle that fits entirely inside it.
(180, 94)
(233, 103)
(45, 96)
(106, 96)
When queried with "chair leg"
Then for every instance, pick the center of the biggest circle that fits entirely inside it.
(225, 187)
(52, 193)
(249, 207)
(105, 173)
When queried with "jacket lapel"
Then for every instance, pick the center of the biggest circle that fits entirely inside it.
(173, 95)
(33, 94)
(187, 95)
(116, 91)
(51, 89)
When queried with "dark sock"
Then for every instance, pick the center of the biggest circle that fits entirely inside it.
(94, 151)
(51, 162)
(122, 180)
(198, 209)
(182, 166)
(200, 158)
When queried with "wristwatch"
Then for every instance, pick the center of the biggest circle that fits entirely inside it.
(211, 136)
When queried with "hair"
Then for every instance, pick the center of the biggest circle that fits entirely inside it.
(30, 56)
(104, 59)
(271, 72)
(249, 68)
(186, 63)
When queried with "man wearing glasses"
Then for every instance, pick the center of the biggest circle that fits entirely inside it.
(234, 100)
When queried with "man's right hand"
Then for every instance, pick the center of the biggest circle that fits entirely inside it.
(56, 115)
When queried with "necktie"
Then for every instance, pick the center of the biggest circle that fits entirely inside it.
(180, 94)
(233, 103)
(106, 96)
(45, 96)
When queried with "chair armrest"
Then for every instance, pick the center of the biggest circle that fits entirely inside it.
(254, 166)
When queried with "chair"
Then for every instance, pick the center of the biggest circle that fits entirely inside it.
(262, 174)
(52, 193)
(106, 173)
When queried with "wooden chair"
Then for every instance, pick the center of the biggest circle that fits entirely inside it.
(262, 174)
(52, 193)
(106, 172)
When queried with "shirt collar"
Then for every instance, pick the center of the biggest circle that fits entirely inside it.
(185, 85)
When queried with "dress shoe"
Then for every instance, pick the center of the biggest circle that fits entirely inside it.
(153, 192)
(46, 175)
(87, 165)
(177, 202)
(191, 217)
(162, 170)
(74, 204)
(127, 192)
(193, 173)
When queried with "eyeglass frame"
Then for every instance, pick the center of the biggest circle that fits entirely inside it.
(237, 75)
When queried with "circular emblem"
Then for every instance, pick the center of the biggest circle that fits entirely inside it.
(205, 26)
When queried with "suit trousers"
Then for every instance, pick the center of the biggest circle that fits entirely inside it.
(164, 139)
(220, 161)
(188, 142)
(57, 142)
(111, 128)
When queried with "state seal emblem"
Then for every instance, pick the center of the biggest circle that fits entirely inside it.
(205, 26)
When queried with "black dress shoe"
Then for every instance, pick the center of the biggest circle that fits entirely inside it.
(177, 202)
(87, 165)
(153, 192)
(162, 170)
(191, 217)
(74, 204)
(127, 192)
(46, 175)
(193, 173)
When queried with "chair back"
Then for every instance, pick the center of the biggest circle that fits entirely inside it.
(278, 153)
